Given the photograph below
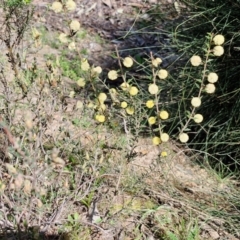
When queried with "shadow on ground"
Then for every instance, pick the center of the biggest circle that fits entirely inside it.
(31, 236)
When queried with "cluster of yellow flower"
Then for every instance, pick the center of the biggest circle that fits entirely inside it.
(74, 25)
(57, 7)
(125, 86)
(162, 74)
(127, 62)
(164, 137)
(100, 117)
(212, 78)
(218, 50)
(153, 88)
(162, 115)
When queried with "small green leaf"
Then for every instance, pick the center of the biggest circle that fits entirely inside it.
(70, 218)
(76, 216)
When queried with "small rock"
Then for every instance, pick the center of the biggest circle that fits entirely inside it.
(95, 47)
(214, 234)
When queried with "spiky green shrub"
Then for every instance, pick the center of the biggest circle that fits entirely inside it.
(218, 140)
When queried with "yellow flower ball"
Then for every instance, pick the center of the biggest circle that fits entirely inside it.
(164, 154)
(125, 86)
(70, 5)
(183, 137)
(162, 74)
(133, 91)
(150, 104)
(81, 82)
(100, 118)
(163, 115)
(153, 88)
(130, 110)
(212, 77)
(218, 39)
(112, 91)
(102, 97)
(164, 137)
(124, 104)
(198, 118)
(195, 60)
(102, 107)
(57, 7)
(72, 46)
(85, 66)
(112, 75)
(128, 62)
(152, 120)
(97, 69)
(156, 141)
(196, 102)
(210, 88)
(63, 38)
(156, 62)
(74, 25)
(218, 51)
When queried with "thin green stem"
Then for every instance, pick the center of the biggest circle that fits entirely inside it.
(201, 87)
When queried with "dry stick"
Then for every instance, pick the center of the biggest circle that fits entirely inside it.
(10, 54)
(134, 22)
(7, 96)
(120, 64)
(55, 215)
(12, 60)
(7, 132)
(10, 137)
(96, 226)
(7, 200)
